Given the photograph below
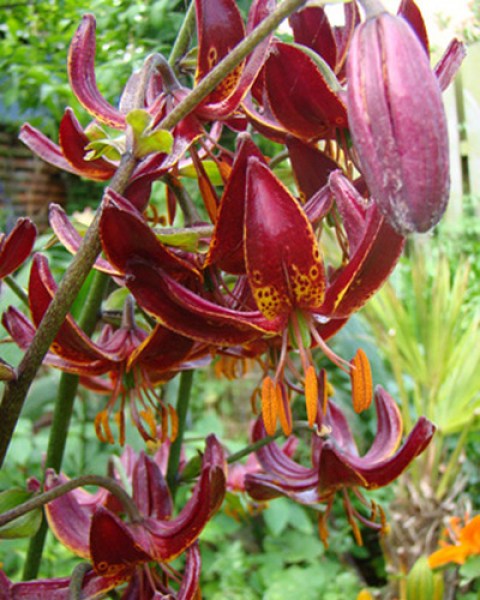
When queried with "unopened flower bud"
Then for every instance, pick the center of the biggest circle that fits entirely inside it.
(398, 123)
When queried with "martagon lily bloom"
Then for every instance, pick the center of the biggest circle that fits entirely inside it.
(336, 463)
(136, 553)
(135, 360)
(283, 293)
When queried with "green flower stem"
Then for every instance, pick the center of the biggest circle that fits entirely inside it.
(452, 466)
(16, 391)
(76, 580)
(233, 458)
(184, 36)
(190, 213)
(16, 289)
(183, 400)
(232, 60)
(40, 500)
(62, 414)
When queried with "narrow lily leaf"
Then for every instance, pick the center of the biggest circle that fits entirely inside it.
(211, 169)
(7, 372)
(81, 71)
(24, 526)
(283, 259)
(139, 120)
(157, 141)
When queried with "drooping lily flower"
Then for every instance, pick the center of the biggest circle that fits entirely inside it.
(89, 526)
(283, 293)
(16, 246)
(336, 463)
(134, 360)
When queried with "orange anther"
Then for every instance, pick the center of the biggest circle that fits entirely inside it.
(311, 394)
(269, 405)
(361, 378)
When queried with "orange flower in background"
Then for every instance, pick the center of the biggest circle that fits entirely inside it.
(467, 543)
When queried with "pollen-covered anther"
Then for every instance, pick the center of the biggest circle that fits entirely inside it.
(361, 378)
(283, 409)
(311, 394)
(102, 428)
(269, 405)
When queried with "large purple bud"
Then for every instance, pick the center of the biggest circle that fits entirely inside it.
(398, 123)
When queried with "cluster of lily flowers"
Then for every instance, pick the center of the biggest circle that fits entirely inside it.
(358, 112)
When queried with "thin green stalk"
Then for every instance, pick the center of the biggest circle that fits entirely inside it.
(452, 466)
(76, 581)
(16, 289)
(253, 447)
(183, 401)
(62, 414)
(184, 36)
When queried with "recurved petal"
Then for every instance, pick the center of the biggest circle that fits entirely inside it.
(448, 66)
(73, 141)
(16, 246)
(411, 13)
(68, 517)
(126, 237)
(301, 97)
(70, 238)
(93, 587)
(311, 28)
(191, 574)
(150, 490)
(219, 29)
(81, 71)
(189, 314)
(311, 167)
(116, 548)
(43, 147)
(284, 265)
(227, 248)
(337, 468)
(168, 539)
(71, 342)
(367, 269)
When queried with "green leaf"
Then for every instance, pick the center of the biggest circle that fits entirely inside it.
(24, 526)
(211, 169)
(158, 141)
(139, 120)
(277, 515)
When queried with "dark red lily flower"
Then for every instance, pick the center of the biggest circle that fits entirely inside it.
(283, 293)
(16, 246)
(336, 463)
(88, 523)
(135, 360)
